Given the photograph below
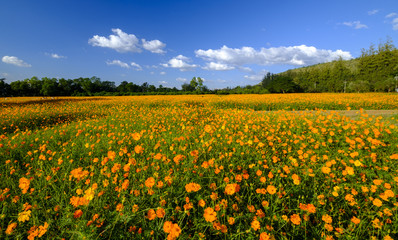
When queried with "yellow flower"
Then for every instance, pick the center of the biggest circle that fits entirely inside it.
(24, 216)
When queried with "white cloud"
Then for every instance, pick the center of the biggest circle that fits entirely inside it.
(15, 61)
(218, 66)
(294, 55)
(154, 46)
(395, 24)
(394, 21)
(391, 15)
(162, 82)
(121, 42)
(162, 73)
(373, 12)
(355, 24)
(54, 55)
(136, 66)
(180, 62)
(119, 63)
(181, 79)
(257, 77)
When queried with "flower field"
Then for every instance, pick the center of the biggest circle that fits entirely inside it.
(200, 167)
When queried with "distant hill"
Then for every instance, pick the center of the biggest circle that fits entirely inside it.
(374, 70)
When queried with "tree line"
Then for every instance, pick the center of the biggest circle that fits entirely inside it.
(376, 70)
(92, 87)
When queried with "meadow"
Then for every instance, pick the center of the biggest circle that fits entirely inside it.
(199, 167)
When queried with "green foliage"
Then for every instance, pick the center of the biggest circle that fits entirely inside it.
(374, 70)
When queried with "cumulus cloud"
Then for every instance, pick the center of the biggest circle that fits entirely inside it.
(394, 21)
(257, 77)
(373, 12)
(154, 46)
(391, 15)
(180, 79)
(125, 65)
(355, 24)
(15, 61)
(162, 73)
(136, 66)
(180, 62)
(123, 42)
(218, 66)
(54, 55)
(118, 63)
(295, 55)
(162, 82)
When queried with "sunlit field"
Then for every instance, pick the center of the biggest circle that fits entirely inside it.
(199, 167)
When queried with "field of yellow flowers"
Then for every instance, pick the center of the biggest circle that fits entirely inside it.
(199, 167)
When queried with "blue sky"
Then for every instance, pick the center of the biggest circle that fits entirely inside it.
(227, 43)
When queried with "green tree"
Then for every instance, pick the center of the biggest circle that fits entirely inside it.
(5, 89)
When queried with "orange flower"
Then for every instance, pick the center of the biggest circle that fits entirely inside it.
(231, 220)
(24, 184)
(295, 219)
(167, 226)
(350, 170)
(151, 214)
(355, 220)
(43, 229)
(150, 182)
(208, 128)
(111, 155)
(136, 136)
(311, 208)
(172, 229)
(11, 228)
(377, 202)
(160, 212)
(255, 225)
(78, 213)
(192, 187)
(327, 219)
(138, 149)
(325, 170)
(231, 188)
(271, 189)
(265, 236)
(210, 215)
(202, 203)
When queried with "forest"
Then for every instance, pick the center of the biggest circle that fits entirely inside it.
(376, 70)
